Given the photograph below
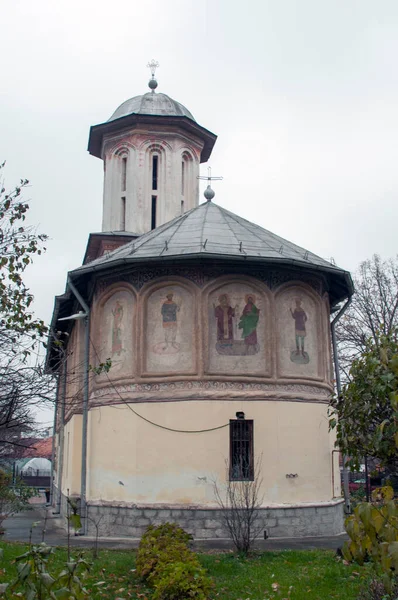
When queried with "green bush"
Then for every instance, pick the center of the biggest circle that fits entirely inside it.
(373, 532)
(181, 580)
(376, 590)
(159, 542)
(175, 552)
(166, 562)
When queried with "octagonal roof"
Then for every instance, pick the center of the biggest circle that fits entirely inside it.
(210, 231)
(151, 104)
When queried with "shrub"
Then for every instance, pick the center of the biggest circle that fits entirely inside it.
(175, 552)
(38, 583)
(373, 532)
(181, 580)
(166, 562)
(161, 541)
(376, 590)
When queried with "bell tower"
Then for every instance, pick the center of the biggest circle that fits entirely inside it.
(152, 148)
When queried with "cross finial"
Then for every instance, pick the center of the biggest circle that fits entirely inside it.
(152, 66)
(209, 193)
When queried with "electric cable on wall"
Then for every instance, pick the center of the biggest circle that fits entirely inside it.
(148, 420)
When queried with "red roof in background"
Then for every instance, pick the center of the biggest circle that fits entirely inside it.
(39, 448)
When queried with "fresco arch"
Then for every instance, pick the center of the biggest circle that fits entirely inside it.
(168, 329)
(238, 328)
(300, 344)
(114, 319)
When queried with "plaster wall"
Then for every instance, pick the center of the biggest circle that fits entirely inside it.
(73, 456)
(132, 461)
(188, 357)
(137, 147)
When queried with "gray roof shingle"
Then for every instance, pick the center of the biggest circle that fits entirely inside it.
(210, 230)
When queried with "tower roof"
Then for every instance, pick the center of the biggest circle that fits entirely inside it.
(151, 104)
(210, 231)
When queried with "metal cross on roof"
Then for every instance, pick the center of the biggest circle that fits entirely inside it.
(153, 65)
(209, 193)
(209, 176)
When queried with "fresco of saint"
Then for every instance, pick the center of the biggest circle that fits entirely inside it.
(300, 319)
(117, 344)
(228, 342)
(248, 323)
(169, 312)
(224, 314)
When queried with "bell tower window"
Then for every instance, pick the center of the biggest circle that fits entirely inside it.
(155, 164)
(153, 213)
(187, 182)
(155, 188)
(123, 214)
(124, 174)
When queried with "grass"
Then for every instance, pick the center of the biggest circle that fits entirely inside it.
(285, 575)
(296, 575)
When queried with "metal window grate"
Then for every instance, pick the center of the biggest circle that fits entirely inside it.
(241, 450)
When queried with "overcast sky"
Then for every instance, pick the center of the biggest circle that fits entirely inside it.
(302, 94)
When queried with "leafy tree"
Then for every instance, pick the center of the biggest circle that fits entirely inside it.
(366, 414)
(19, 243)
(14, 497)
(21, 381)
(373, 310)
(373, 533)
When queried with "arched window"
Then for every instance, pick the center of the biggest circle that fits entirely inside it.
(155, 187)
(155, 163)
(122, 156)
(186, 180)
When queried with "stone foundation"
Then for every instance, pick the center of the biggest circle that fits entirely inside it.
(309, 520)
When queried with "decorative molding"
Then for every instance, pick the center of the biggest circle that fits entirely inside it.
(204, 274)
(206, 390)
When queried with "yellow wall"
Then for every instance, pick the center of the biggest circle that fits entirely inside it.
(131, 460)
(72, 456)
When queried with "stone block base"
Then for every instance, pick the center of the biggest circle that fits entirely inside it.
(323, 519)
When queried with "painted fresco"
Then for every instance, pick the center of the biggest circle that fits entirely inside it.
(297, 333)
(238, 336)
(170, 331)
(229, 341)
(299, 355)
(116, 333)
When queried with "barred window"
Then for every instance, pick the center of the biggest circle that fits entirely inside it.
(241, 465)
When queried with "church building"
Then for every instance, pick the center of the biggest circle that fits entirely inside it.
(192, 346)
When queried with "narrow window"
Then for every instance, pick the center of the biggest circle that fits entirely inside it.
(153, 215)
(155, 161)
(123, 214)
(241, 466)
(124, 173)
(182, 207)
(183, 178)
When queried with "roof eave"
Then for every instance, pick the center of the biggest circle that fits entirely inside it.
(339, 273)
(97, 132)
